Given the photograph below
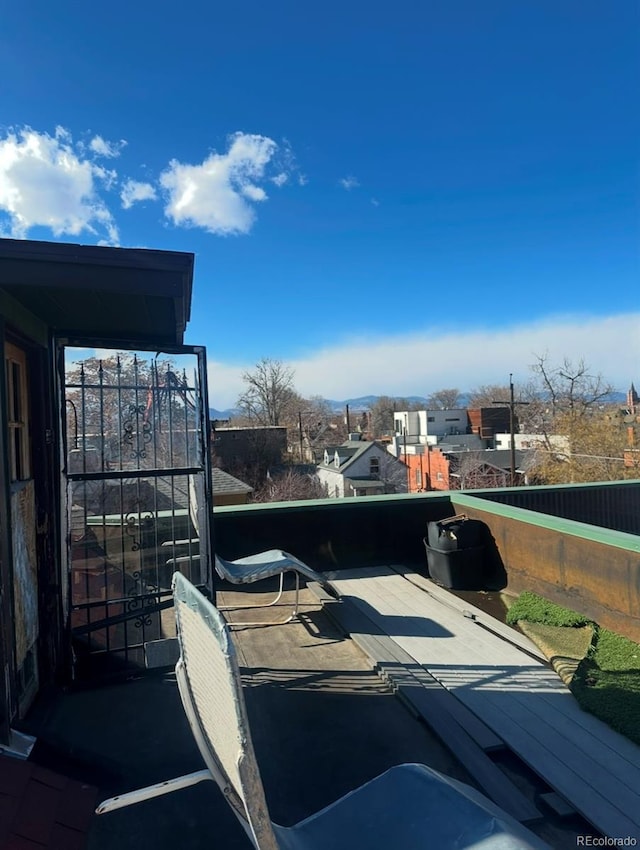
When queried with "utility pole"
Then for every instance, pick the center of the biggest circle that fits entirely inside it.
(300, 433)
(404, 430)
(348, 422)
(512, 428)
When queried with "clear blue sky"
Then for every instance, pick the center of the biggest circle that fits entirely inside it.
(392, 197)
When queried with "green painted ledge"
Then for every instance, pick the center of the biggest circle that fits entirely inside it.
(595, 533)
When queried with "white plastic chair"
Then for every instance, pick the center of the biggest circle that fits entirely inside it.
(409, 807)
(271, 562)
(246, 570)
(252, 568)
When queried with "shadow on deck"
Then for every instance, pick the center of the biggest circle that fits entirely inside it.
(322, 720)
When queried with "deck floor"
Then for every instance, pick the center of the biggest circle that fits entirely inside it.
(510, 689)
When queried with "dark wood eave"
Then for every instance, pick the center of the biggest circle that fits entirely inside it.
(96, 292)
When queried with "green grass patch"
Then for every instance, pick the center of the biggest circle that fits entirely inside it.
(607, 680)
(535, 609)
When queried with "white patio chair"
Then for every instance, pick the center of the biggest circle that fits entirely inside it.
(246, 570)
(252, 568)
(267, 564)
(409, 807)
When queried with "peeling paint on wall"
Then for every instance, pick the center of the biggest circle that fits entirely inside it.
(25, 575)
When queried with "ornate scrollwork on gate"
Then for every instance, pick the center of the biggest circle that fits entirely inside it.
(136, 430)
(134, 523)
(137, 605)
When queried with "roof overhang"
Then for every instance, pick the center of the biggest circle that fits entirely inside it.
(92, 292)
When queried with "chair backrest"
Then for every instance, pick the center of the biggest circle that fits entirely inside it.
(211, 692)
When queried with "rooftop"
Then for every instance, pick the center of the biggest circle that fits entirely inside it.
(323, 722)
(324, 714)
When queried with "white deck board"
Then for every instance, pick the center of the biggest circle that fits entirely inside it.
(520, 698)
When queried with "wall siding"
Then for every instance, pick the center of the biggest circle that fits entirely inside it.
(25, 574)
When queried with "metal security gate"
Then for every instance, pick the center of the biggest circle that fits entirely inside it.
(137, 490)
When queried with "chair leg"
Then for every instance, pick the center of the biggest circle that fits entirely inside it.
(268, 604)
(157, 790)
(291, 616)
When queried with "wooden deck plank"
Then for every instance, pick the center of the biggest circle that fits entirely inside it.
(528, 677)
(399, 609)
(393, 596)
(432, 703)
(598, 795)
(479, 616)
(524, 701)
(399, 667)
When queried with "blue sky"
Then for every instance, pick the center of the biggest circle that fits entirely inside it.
(391, 198)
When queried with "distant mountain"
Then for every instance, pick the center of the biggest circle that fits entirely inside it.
(361, 403)
(222, 414)
(364, 402)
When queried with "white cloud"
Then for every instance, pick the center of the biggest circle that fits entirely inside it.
(49, 181)
(375, 202)
(216, 194)
(348, 183)
(418, 364)
(225, 383)
(133, 191)
(254, 193)
(107, 149)
(280, 179)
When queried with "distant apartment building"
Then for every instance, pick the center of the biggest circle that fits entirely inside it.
(486, 422)
(426, 426)
(558, 442)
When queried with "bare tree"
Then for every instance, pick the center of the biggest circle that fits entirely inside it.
(572, 402)
(592, 449)
(269, 392)
(131, 407)
(382, 411)
(318, 427)
(570, 387)
(394, 473)
(486, 394)
(472, 472)
(290, 486)
(529, 408)
(444, 399)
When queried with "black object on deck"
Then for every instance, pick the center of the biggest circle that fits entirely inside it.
(456, 552)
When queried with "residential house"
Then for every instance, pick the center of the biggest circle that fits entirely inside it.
(228, 490)
(361, 468)
(447, 467)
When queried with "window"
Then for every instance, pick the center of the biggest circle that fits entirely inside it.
(431, 418)
(17, 412)
(374, 467)
(418, 478)
(439, 476)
